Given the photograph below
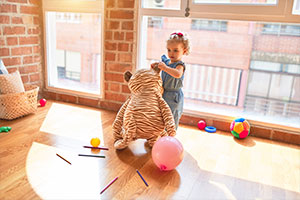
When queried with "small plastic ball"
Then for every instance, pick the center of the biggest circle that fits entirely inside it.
(240, 128)
(43, 102)
(201, 124)
(95, 142)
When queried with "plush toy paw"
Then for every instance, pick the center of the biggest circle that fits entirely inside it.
(119, 145)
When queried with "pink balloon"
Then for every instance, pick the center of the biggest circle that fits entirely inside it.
(167, 153)
(43, 102)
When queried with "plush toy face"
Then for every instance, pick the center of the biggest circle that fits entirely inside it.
(144, 80)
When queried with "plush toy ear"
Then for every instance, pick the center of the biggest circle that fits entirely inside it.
(127, 76)
(156, 69)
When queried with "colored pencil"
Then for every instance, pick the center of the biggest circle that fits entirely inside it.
(63, 158)
(109, 185)
(91, 155)
(103, 148)
(142, 178)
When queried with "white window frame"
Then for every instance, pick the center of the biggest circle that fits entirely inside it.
(282, 12)
(81, 6)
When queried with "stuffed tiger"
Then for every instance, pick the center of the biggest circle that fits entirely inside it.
(145, 114)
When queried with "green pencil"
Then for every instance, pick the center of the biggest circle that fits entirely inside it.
(91, 155)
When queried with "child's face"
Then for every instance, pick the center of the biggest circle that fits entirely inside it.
(175, 51)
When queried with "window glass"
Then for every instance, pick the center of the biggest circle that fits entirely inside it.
(73, 51)
(234, 67)
(296, 7)
(267, 66)
(261, 2)
(281, 29)
(280, 86)
(73, 65)
(162, 4)
(258, 84)
(211, 25)
(295, 95)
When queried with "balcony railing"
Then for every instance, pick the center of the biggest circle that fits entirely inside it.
(212, 84)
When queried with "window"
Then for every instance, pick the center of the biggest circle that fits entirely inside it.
(281, 29)
(161, 4)
(268, 2)
(238, 66)
(296, 7)
(73, 45)
(155, 22)
(209, 25)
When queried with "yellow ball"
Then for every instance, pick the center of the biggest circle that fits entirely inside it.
(95, 142)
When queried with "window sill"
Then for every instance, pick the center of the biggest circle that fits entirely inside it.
(262, 129)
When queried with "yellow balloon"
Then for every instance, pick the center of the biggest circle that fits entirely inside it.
(95, 142)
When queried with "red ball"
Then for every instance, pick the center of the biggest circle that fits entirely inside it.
(43, 102)
(201, 124)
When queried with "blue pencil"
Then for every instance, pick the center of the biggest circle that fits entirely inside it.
(142, 178)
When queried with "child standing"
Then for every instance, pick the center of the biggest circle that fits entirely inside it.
(173, 73)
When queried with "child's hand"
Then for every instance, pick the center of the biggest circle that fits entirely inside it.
(162, 66)
(154, 64)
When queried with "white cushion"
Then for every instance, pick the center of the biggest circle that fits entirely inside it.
(11, 83)
(2, 68)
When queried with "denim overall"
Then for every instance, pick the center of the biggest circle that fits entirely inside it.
(173, 94)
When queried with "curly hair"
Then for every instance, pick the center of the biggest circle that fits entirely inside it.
(180, 37)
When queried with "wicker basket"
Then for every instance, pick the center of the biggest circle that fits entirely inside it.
(20, 104)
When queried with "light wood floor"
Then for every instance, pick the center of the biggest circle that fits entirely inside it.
(215, 166)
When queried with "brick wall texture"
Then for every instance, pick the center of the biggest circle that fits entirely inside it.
(21, 44)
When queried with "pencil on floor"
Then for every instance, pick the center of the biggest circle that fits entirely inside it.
(91, 155)
(109, 184)
(63, 158)
(102, 148)
(142, 178)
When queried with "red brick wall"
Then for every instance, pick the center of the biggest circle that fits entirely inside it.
(119, 47)
(21, 38)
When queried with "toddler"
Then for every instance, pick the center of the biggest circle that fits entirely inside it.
(173, 73)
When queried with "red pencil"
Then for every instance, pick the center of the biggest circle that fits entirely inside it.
(63, 158)
(103, 148)
(109, 185)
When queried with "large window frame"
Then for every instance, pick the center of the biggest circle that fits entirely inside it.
(282, 12)
(74, 6)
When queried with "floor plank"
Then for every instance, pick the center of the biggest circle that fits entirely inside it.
(215, 166)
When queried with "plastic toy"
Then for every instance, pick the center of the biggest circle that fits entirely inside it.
(240, 128)
(210, 129)
(201, 124)
(95, 142)
(109, 185)
(167, 153)
(5, 129)
(165, 59)
(43, 102)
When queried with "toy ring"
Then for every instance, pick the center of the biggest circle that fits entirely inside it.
(210, 129)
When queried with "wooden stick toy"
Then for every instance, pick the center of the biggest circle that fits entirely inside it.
(91, 155)
(142, 178)
(109, 184)
(63, 158)
(103, 148)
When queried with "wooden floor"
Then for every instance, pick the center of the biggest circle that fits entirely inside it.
(215, 166)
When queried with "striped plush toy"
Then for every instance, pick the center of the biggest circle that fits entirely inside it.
(145, 114)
